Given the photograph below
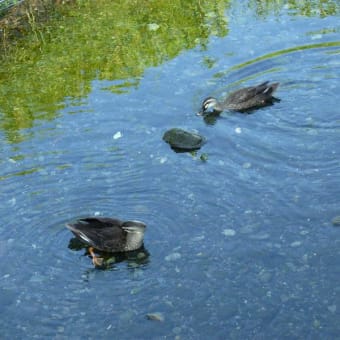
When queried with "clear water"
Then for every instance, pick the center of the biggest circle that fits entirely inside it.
(241, 246)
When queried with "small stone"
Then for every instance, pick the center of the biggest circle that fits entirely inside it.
(36, 278)
(12, 201)
(173, 257)
(332, 308)
(229, 232)
(336, 221)
(296, 244)
(61, 329)
(135, 291)
(177, 330)
(238, 130)
(117, 135)
(204, 157)
(304, 232)
(198, 238)
(316, 36)
(316, 323)
(265, 276)
(153, 27)
(155, 316)
(260, 236)
(246, 165)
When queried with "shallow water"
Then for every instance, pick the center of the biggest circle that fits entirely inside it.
(240, 246)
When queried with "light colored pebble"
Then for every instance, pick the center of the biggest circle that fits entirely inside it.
(296, 244)
(260, 236)
(332, 308)
(316, 36)
(117, 135)
(153, 27)
(229, 232)
(173, 257)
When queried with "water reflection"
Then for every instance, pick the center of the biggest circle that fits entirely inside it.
(136, 258)
(63, 65)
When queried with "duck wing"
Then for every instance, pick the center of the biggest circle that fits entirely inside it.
(249, 93)
(106, 234)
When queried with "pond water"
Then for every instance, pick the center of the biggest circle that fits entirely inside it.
(241, 245)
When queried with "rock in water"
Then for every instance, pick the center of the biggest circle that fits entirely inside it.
(181, 140)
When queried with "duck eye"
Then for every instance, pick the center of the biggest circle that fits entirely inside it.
(207, 104)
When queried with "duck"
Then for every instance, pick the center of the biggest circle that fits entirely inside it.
(106, 234)
(242, 100)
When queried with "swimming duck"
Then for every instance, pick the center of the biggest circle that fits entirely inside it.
(242, 100)
(108, 235)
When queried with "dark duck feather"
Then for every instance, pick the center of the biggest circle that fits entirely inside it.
(242, 100)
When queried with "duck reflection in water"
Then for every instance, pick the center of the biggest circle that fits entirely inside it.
(114, 240)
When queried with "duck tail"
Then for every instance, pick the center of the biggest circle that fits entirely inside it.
(74, 227)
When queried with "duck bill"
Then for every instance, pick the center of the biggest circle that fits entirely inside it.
(200, 113)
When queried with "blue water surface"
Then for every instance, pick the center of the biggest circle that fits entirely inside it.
(241, 246)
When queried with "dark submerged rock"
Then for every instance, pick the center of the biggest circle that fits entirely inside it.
(181, 140)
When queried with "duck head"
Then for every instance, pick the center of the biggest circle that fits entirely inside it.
(135, 233)
(210, 105)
